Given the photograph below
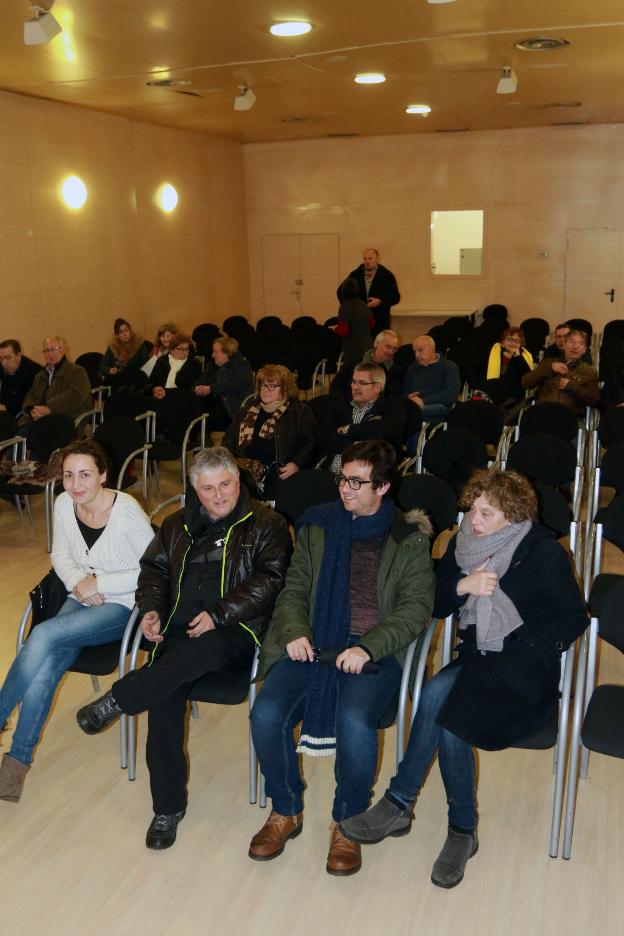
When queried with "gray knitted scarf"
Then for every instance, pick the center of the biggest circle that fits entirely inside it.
(493, 617)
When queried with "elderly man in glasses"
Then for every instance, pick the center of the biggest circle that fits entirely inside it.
(59, 387)
(358, 590)
(368, 415)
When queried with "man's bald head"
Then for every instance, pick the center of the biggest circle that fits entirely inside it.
(424, 350)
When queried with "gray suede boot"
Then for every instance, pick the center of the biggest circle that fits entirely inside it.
(377, 823)
(12, 775)
(451, 862)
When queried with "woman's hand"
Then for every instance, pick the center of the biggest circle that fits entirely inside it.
(113, 370)
(202, 390)
(158, 392)
(287, 470)
(85, 588)
(300, 650)
(352, 660)
(479, 583)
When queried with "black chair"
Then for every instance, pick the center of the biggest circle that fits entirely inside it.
(550, 418)
(320, 406)
(598, 710)
(90, 359)
(203, 336)
(433, 495)
(549, 459)
(123, 440)
(480, 417)
(304, 489)
(609, 473)
(611, 427)
(8, 426)
(174, 413)
(404, 356)
(304, 325)
(583, 325)
(453, 455)
(536, 331)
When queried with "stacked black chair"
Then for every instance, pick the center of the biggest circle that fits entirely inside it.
(453, 455)
(536, 331)
(203, 336)
(551, 460)
(305, 489)
(435, 496)
(480, 417)
(123, 440)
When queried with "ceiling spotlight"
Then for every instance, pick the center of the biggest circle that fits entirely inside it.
(245, 99)
(290, 29)
(41, 28)
(370, 78)
(508, 82)
(422, 109)
(440, 1)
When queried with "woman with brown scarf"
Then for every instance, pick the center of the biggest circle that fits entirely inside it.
(274, 435)
(126, 350)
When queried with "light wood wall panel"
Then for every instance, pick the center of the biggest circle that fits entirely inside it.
(74, 272)
(534, 185)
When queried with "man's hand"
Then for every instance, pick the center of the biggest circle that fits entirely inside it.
(201, 623)
(352, 660)
(342, 430)
(563, 382)
(559, 367)
(300, 650)
(417, 399)
(2, 408)
(287, 470)
(202, 390)
(373, 303)
(38, 411)
(150, 625)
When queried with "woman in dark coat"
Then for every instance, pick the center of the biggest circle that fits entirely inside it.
(519, 608)
(127, 351)
(354, 323)
(275, 434)
(177, 370)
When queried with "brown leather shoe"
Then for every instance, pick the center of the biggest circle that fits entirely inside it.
(269, 842)
(344, 857)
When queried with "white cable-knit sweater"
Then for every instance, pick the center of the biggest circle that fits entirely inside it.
(113, 559)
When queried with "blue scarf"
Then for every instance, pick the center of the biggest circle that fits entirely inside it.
(332, 613)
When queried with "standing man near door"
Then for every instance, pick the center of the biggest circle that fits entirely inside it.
(378, 288)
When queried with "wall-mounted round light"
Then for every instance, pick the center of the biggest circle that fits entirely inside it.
(167, 197)
(370, 78)
(422, 109)
(73, 192)
(297, 28)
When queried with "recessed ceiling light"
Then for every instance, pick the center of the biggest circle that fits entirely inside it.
(298, 28)
(541, 44)
(563, 104)
(167, 83)
(422, 109)
(370, 78)
(440, 1)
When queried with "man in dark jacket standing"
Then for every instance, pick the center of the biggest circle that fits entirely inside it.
(17, 373)
(206, 590)
(377, 286)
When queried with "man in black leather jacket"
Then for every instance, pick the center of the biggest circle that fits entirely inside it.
(206, 590)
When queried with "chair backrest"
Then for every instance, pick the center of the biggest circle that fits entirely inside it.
(203, 336)
(478, 416)
(553, 509)
(305, 489)
(8, 426)
(404, 356)
(320, 406)
(304, 324)
(175, 411)
(414, 417)
(453, 455)
(119, 436)
(90, 359)
(433, 495)
(49, 433)
(612, 467)
(611, 625)
(535, 333)
(269, 325)
(550, 418)
(544, 458)
(611, 426)
(612, 519)
(583, 325)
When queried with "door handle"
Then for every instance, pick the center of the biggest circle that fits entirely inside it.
(611, 292)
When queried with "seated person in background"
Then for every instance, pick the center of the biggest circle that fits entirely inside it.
(354, 323)
(59, 387)
(176, 370)
(519, 608)
(127, 350)
(360, 584)
(369, 415)
(99, 537)
(17, 373)
(569, 381)
(382, 353)
(557, 348)
(432, 381)
(160, 347)
(507, 364)
(274, 434)
(206, 591)
(224, 383)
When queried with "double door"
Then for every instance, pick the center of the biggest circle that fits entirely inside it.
(301, 273)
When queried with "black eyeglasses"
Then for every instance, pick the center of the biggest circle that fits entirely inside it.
(363, 383)
(353, 483)
(184, 349)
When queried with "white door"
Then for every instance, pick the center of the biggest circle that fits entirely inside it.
(594, 280)
(301, 273)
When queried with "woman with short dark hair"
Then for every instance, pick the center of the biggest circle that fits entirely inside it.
(519, 608)
(176, 370)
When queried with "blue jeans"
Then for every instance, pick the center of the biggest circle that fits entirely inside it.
(455, 757)
(49, 651)
(360, 703)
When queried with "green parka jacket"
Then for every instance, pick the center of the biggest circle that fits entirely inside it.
(405, 591)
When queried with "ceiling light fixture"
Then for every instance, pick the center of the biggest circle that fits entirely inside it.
(370, 78)
(245, 99)
(432, 2)
(541, 44)
(422, 109)
(508, 82)
(294, 28)
(42, 27)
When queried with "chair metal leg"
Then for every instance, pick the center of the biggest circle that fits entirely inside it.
(95, 682)
(564, 710)
(577, 721)
(194, 709)
(262, 800)
(123, 741)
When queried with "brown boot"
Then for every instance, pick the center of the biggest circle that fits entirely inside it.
(269, 842)
(12, 775)
(344, 857)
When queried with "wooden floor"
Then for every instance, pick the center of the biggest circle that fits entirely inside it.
(73, 859)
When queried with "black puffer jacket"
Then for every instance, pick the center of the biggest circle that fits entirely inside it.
(255, 558)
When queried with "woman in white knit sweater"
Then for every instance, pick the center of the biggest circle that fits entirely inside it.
(99, 537)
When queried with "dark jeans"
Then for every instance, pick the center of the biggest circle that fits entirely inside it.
(164, 687)
(455, 757)
(360, 703)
